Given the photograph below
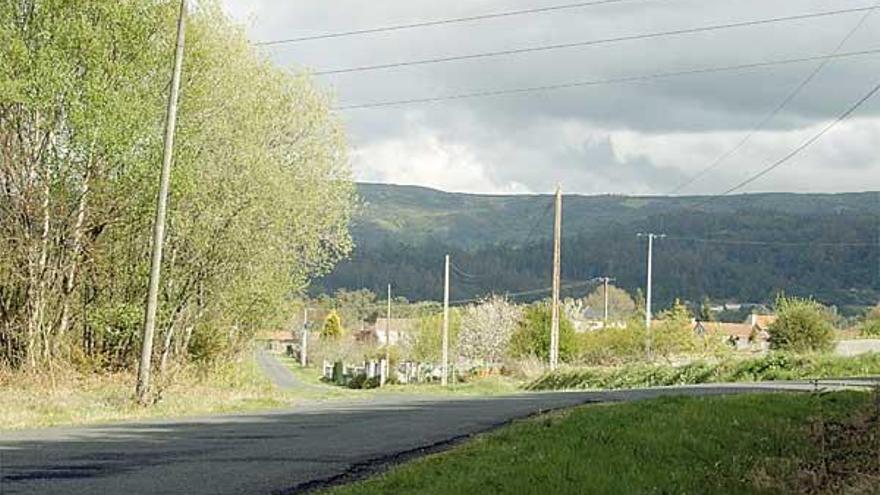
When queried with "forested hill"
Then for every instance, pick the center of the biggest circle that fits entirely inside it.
(743, 248)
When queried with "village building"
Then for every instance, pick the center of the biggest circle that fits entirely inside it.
(751, 335)
(383, 330)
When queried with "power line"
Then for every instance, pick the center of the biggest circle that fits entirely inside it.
(737, 242)
(784, 103)
(541, 48)
(806, 144)
(454, 20)
(602, 82)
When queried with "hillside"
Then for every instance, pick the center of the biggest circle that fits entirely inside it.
(743, 248)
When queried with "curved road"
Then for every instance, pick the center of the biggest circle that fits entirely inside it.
(276, 452)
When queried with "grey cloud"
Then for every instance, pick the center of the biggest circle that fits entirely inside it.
(498, 129)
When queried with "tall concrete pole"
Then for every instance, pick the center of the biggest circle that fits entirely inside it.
(605, 314)
(649, 284)
(387, 336)
(557, 258)
(444, 379)
(142, 390)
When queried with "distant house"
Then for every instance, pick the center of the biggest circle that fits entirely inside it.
(282, 341)
(752, 335)
(396, 330)
(761, 322)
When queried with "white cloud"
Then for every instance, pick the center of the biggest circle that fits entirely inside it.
(426, 160)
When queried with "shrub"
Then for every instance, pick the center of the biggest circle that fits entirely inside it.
(871, 326)
(803, 325)
(332, 328)
(532, 334)
(613, 345)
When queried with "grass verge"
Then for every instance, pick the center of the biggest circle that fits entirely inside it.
(735, 444)
(776, 366)
(35, 401)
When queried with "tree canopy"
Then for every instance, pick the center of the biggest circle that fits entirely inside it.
(261, 194)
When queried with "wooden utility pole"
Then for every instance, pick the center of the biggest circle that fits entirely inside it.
(142, 390)
(445, 338)
(303, 355)
(557, 258)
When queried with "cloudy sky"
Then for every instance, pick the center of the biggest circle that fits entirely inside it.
(643, 137)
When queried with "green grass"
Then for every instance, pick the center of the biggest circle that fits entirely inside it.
(736, 444)
(776, 366)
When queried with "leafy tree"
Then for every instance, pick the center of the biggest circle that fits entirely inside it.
(672, 331)
(621, 305)
(532, 335)
(486, 330)
(803, 325)
(261, 190)
(332, 329)
(425, 342)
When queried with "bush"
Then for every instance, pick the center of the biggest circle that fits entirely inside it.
(775, 366)
(332, 328)
(532, 335)
(871, 326)
(673, 333)
(613, 345)
(803, 325)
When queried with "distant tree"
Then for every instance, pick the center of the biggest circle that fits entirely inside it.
(532, 335)
(486, 330)
(424, 343)
(803, 325)
(621, 305)
(871, 325)
(672, 332)
(705, 313)
(356, 306)
(332, 328)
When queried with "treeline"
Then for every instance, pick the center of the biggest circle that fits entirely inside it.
(752, 256)
(260, 198)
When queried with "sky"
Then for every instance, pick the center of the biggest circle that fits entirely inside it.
(638, 138)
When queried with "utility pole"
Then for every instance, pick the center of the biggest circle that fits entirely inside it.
(605, 281)
(557, 255)
(142, 389)
(387, 336)
(649, 284)
(443, 380)
(303, 355)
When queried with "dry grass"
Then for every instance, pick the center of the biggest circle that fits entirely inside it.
(66, 397)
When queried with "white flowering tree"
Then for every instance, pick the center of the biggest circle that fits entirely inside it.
(486, 329)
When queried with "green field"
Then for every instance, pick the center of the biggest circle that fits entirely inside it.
(737, 444)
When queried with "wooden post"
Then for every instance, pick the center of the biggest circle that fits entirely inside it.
(142, 389)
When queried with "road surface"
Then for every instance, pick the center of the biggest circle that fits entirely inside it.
(277, 452)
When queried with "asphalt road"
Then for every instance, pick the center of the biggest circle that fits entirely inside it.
(277, 452)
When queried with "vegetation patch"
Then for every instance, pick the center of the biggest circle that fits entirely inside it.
(72, 398)
(775, 366)
(737, 444)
